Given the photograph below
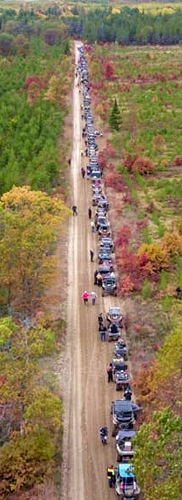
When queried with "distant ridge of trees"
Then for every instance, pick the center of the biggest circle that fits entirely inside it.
(127, 26)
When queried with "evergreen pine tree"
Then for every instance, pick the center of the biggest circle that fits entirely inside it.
(115, 117)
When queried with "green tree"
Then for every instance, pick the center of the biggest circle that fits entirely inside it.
(6, 41)
(158, 458)
(115, 117)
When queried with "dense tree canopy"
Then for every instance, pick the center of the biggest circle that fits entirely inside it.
(33, 56)
(127, 26)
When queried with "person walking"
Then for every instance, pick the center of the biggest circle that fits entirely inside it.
(74, 210)
(95, 277)
(91, 255)
(83, 172)
(109, 372)
(100, 315)
(93, 296)
(89, 213)
(102, 330)
(85, 297)
(92, 225)
(111, 476)
(96, 219)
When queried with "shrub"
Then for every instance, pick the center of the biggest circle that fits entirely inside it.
(143, 166)
(172, 244)
(178, 161)
(153, 254)
(146, 289)
(179, 226)
(127, 261)
(113, 179)
(139, 164)
(150, 208)
(128, 199)
(109, 71)
(126, 286)
(129, 160)
(142, 224)
(102, 159)
(123, 236)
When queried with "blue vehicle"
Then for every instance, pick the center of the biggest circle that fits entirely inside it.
(126, 485)
(104, 256)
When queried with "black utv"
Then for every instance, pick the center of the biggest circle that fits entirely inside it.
(109, 286)
(124, 414)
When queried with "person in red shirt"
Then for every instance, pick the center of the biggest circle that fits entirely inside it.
(85, 297)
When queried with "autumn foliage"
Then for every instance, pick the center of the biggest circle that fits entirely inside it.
(30, 409)
(172, 244)
(154, 255)
(139, 164)
(29, 221)
(148, 262)
(109, 71)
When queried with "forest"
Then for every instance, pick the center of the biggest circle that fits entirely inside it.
(135, 85)
(128, 26)
(32, 101)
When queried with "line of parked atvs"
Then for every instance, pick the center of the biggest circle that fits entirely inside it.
(104, 276)
(124, 411)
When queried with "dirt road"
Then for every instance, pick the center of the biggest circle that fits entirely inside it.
(88, 395)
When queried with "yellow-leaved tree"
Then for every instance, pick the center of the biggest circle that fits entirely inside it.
(155, 255)
(29, 222)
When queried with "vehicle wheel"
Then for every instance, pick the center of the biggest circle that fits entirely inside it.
(115, 294)
(118, 458)
(102, 294)
(114, 432)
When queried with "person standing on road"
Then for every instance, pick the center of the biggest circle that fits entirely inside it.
(89, 213)
(83, 172)
(99, 279)
(91, 255)
(109, 372)
(92, 225)
(102, 330)
(111, 476)
(85, 297)
(74, 210)
(100, 315)
(93, 296)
